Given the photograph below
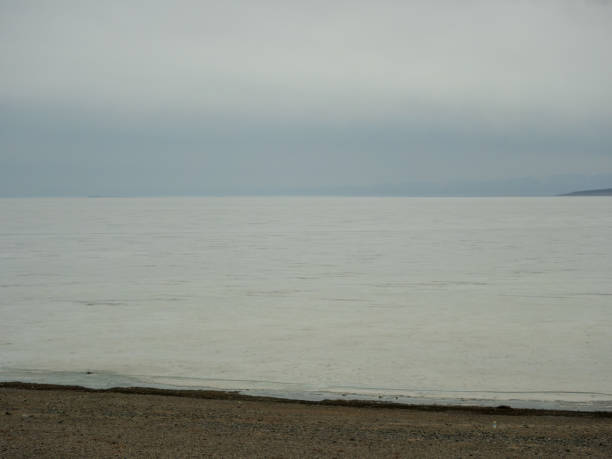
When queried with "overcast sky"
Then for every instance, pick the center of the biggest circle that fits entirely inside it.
(204, 97)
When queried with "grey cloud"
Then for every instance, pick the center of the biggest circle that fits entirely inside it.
(200, 96)
(347, 58)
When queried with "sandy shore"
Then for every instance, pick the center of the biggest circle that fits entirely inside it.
(55, 421)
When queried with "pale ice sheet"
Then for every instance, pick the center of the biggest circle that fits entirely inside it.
(395, 296)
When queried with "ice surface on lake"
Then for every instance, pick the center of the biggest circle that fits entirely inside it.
(506, 296)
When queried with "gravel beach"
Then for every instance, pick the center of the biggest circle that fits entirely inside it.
(54, 421)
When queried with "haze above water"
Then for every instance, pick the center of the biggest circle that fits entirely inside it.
(494, 298)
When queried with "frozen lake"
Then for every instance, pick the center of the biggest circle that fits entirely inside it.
(412, 299)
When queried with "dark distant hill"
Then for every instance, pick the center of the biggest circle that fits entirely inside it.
(604, 192)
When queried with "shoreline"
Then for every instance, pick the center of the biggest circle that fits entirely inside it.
(39, 420)
(501, 409)
(543, 400)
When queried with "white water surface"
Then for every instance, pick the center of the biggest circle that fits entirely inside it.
(402, 298)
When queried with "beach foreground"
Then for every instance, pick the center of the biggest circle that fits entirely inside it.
(55, 421)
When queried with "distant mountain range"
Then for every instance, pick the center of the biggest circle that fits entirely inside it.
(604, 192)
